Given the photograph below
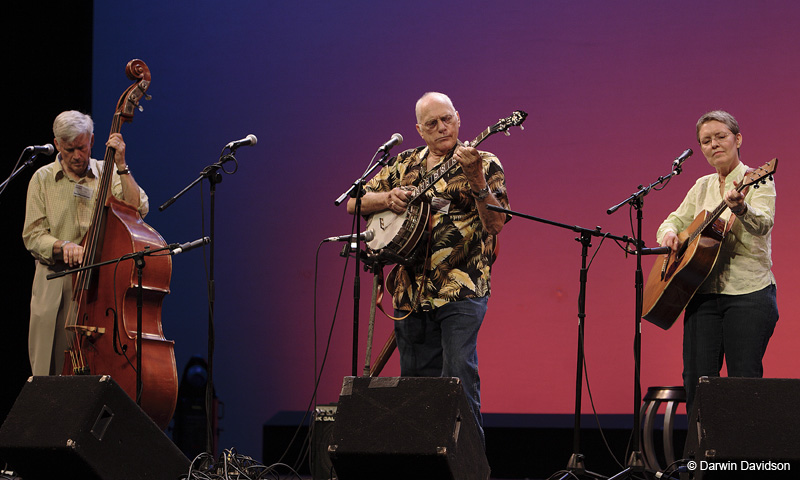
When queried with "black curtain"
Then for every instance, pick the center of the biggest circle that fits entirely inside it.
(47, 69)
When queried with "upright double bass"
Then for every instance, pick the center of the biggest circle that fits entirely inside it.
(102, 324)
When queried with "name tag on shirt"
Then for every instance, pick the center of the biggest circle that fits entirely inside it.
(83, 191)
(440, 205)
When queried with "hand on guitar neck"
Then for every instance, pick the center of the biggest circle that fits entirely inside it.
(734, 198)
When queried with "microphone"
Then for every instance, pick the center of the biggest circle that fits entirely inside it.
(676, 164)
(655, 250)
(45, 149)
(396, 139)
(365, 236)
(245, 142)
(177, 248)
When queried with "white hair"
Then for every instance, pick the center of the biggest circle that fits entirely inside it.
(71, 124)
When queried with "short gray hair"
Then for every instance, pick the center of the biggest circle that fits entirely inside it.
(70, 124)
(720, 116)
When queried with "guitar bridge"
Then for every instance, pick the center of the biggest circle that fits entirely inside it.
(87, 331)
(664, 266)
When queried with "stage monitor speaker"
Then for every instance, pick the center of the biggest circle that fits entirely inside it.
(321, 466)
(396, 428)
(85, 427)
(745, 428)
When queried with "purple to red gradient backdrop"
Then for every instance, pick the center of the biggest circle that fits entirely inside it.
(613, 90)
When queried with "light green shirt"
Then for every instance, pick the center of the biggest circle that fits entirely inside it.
(59, 208)
(745, 258)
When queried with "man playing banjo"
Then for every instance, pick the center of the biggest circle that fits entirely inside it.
(443, 297)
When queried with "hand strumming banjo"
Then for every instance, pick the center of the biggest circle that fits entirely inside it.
(397, 235)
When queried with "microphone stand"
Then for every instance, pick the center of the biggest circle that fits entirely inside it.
(576, 461)
(16, 172)
(138, 258)
(636, 200)
(356, 191)
(211, 172)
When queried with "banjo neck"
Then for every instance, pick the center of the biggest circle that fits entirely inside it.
(514, 120)
(447, 164)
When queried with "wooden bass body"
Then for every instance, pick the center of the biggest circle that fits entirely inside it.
(105, 334)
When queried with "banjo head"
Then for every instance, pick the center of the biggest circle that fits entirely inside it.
(386, 225)
(396, 236)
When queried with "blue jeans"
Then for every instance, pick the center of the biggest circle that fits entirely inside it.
(736, 327)
(443, 343)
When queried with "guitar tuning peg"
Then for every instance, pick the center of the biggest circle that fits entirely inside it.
(756, 185)
(508, 134)
(140, 108)
(522, 127)
(148, 97)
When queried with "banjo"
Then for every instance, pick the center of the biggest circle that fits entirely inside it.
(397, 235)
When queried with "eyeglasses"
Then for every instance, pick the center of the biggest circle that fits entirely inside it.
(432, 124)
(719, 137)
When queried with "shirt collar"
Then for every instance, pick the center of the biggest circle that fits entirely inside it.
(737, 174)
(59, 173)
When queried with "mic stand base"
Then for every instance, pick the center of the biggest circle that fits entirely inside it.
(576, 464)
(635, 467)
(635, 462)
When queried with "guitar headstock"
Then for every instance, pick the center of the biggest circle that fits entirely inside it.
(760, 174)
(514, 120)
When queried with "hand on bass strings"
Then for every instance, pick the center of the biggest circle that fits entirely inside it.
(71, 253)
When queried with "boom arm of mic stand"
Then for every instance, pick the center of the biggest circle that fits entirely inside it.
(360, 182)
(16, 172)
(634, 199)
(127, 256)
(594, 232)
(210, 172)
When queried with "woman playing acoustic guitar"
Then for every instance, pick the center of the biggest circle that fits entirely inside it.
(734, 311)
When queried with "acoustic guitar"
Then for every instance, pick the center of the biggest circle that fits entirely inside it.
(676, 276)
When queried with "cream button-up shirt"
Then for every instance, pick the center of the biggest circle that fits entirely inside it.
(744, 264)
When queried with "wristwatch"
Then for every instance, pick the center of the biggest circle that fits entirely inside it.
(124, 171)
(480, 194)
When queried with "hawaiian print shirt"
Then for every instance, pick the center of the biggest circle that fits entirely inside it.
(459, 252)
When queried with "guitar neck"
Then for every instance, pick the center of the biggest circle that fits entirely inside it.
(713, 217)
